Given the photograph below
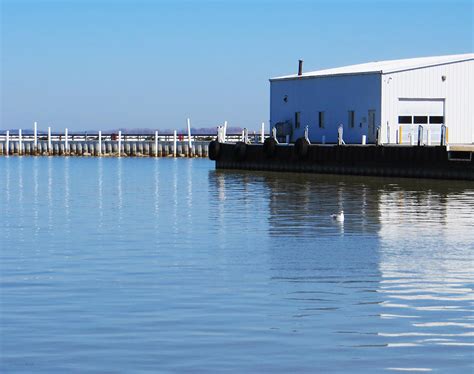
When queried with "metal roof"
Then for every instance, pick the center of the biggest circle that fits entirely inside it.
(383, 67)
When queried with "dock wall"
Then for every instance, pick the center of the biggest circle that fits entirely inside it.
(386, 161)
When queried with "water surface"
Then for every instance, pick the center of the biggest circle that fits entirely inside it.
(166, 265)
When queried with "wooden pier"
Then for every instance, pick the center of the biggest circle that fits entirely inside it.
(112, 144)
(105, 146)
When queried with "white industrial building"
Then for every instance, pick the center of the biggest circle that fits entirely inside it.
(394, 96)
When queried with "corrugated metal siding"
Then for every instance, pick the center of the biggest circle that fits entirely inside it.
(333, 95)
(427, 83)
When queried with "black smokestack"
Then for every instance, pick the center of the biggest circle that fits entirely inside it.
(300, 67)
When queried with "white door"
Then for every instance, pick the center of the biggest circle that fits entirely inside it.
(428, 113)
(421, 107)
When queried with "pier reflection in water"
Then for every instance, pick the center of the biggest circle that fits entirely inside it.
(168, 265)
(393, 282)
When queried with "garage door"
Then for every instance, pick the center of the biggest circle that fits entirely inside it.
(420, 111)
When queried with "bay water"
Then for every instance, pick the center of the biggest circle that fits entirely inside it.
(168, 265)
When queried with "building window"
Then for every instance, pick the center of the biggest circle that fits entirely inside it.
(436, 119)
(420, 120)
(321, 120)
(297, 120)
(351, 119)
(404, 120)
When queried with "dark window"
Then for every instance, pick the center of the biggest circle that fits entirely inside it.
(419, 120)
(321, 120)
(404, 119)
(297, 120)
(351, 118)
(436, 119)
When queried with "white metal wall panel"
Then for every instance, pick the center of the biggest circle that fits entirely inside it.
(335, 96)
(456, 88)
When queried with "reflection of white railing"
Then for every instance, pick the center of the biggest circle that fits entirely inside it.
(422, 134)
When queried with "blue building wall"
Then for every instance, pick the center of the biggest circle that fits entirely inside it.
(333, 95)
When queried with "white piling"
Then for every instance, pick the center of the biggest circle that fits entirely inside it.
(100, 143)
(224, 137)
(20, 149)
(428, 135)
(175, 140)
(35, 136)
(7, 143)
(262, 138)
(340, 139)
(49, 140)
(119, 143)
(189, 136)
(66, 142)
(306, 134)
(156, 143)
(243, 135)
(364, 139)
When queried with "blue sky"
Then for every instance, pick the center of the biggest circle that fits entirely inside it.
(109, 64)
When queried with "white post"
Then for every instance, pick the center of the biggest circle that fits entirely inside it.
(174, 142)
(189, 135)
(35, 136)
(428, 135)
(243, 135)
(364, 139)
(49, 139)
(100, 143)
(262, 139)
(7, 143)
(224, 135)
(246, 136)
(420, 135)
(66, 141)
(340, 139)
(156, 143)
(19, 142)
(119, 143)
(444, 135)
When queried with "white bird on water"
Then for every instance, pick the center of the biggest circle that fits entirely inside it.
(338, 216)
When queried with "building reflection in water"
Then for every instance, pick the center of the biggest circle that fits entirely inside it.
(426, 257)
(404, 252)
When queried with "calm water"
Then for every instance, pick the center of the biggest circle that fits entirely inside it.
(144, 265)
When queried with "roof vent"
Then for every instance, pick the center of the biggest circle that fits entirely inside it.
(300, 67)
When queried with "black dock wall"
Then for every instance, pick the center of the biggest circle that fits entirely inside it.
(386, 161)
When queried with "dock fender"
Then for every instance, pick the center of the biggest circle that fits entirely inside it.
(269, 147)
(240, 151)
(301, 147)
(214, 150)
